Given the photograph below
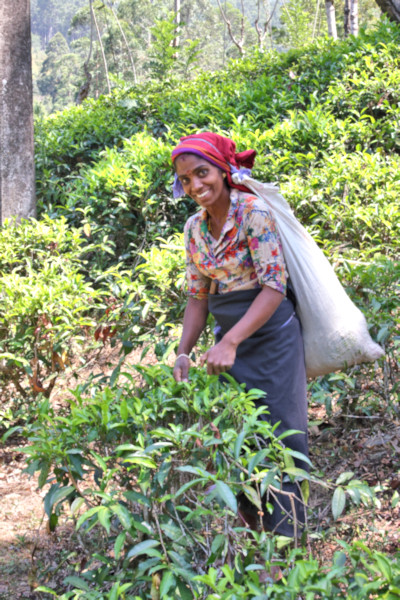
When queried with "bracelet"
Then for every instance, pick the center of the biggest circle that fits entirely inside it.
(180, 355)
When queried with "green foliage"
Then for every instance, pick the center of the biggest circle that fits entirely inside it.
(149, 306)
(163, 53)
(52, 16)
(151, 455)
(56, 79)
(356, 572)
(46, 304)
(302, 22)
(153, 470)
(125, 196)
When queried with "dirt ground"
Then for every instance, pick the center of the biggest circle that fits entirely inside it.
(30, 555)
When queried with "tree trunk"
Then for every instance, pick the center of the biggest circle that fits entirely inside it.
(331, 18)
(354, 17)
(391, 8)
(346, 15)
(262, 31)
(17, 171)
(177, 10)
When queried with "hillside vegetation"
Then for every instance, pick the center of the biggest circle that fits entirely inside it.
(147, 468)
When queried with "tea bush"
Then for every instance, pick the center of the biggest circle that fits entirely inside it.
(46, 305)
(355, 572)
(149, 306)
(298, 109)
(124, 197)
(152, 475)
(141, 462)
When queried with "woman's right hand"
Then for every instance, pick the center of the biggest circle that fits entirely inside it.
(181, 369)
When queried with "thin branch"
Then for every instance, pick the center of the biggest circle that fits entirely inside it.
(160, 534)
(262, 31)
(126, 42)
(101, 46)
(316, 19)
(177, 10)
(242, 24)
(238, 44)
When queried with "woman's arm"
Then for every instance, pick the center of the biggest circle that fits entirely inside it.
(221, 357)
(194, 321)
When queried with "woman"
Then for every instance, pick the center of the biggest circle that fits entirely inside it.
(236, 270)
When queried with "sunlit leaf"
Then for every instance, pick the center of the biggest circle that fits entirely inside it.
(338, 502)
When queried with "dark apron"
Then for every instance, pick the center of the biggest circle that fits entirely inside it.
(271, 360)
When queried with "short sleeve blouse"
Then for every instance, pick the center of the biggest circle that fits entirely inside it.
(248, 253)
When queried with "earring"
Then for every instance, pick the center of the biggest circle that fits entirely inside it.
(223, 175)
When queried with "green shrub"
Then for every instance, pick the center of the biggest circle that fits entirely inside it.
(151, 475)
(46, 305)
(125, 197)
(141, 462)
(149, 306)
(324, 120)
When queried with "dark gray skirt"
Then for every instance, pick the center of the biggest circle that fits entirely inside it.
(271, 360)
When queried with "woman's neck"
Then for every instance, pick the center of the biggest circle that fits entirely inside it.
(219, 210)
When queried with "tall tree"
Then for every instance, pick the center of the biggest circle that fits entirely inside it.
(57, 78)
(52, 16)
(263, 29)
(177, 11)
(239, 38)
(123, 35)
(17, 175)
(331, 18)
(346, 17)
(354, 17)
(93, 14)
(391, 8)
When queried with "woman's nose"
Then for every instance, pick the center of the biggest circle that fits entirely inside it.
(196, 184)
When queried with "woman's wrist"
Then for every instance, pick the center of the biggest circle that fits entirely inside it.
(182, 354)
(230, 338)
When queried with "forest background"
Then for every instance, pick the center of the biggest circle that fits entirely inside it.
(140, 41)
(139, 475)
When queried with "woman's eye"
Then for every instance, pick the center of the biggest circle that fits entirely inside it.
(203, 172)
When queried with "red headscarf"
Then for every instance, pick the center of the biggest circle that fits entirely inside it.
(218, 150)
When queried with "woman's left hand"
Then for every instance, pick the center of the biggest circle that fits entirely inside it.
(219, 358)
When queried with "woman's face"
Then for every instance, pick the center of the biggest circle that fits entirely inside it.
(201, 180)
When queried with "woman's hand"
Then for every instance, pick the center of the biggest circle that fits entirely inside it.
(194, 321)
(181, 369)
(219, 358)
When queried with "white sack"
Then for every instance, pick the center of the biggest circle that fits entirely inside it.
(334, 330)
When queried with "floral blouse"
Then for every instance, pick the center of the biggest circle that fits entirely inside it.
(248, 253)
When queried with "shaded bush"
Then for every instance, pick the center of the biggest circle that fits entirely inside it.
(46, 305)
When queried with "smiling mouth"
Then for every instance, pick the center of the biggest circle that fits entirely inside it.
(202, 195)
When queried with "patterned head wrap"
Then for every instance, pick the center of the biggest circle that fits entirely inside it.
(217, 150)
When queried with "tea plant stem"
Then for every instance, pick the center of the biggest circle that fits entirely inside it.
(160, 533)
(274, 491)
(186, 531)
(35, 545)
(361, 417)
(76, 486)
(19, 387)
(260, 512)
(228, 554)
